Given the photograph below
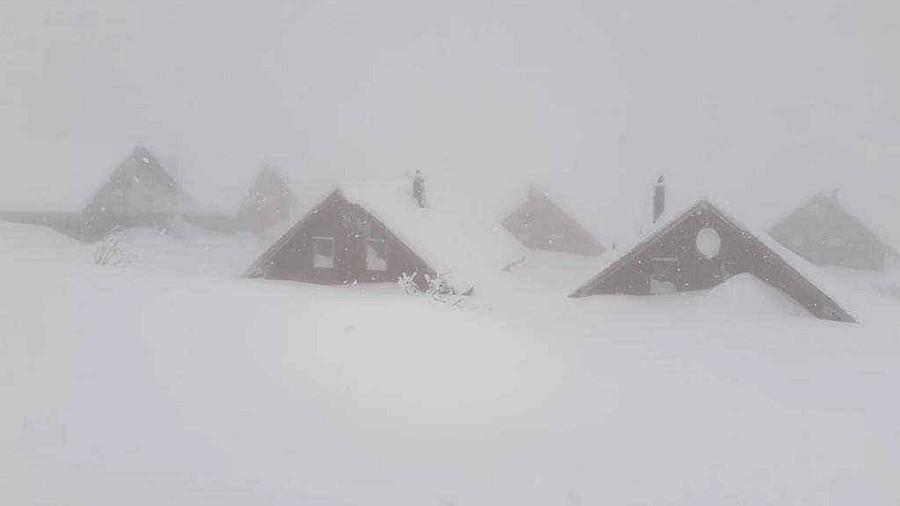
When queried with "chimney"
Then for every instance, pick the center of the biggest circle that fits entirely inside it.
(419, 189)
(659, 198)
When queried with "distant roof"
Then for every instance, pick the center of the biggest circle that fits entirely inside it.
(141, 161)
(518, 195)
(884, 226)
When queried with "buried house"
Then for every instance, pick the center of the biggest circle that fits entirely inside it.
(138, 193)
(824, 232)
(375, 233)
(268, 202)
(702, 247)
(539, 223)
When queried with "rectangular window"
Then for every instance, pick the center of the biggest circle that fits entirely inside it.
(376, 247)
(323, 252)
(376, 255)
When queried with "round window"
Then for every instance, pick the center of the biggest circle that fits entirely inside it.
(709, 243)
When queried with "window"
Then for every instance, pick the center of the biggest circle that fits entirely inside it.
(376, 247)
(323, 252)
(376, 255)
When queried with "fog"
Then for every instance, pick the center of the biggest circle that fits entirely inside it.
(380, 345)
(756, 103)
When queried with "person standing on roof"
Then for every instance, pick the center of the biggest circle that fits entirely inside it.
(419, 189)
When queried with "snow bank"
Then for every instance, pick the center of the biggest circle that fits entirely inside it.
(21, 243)
(121, 387)
(185, 249)
(747, 296)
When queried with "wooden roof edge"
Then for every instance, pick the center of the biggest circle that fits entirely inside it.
(803, 278)
(640, 247)
(285, 237)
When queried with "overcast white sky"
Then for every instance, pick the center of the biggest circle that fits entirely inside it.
(758, 103)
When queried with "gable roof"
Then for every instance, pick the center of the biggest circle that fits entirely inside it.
(448, 235)
(797, 267)
(268, 201)
(851, 209)
(143, 167)
(587, 220)
(578, 232)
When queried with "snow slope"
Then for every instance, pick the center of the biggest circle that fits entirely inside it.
(187, 250)
(747, 296)
(146, 386)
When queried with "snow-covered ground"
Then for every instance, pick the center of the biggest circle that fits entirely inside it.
(166, 380)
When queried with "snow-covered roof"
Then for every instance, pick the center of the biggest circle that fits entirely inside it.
(450, 234)
(520, 195)
(883, 225)
(671, 219)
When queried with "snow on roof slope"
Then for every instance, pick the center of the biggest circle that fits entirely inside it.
(519, 195)
(76, 177)
(449, 234)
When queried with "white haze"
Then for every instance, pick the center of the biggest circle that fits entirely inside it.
(757, 103)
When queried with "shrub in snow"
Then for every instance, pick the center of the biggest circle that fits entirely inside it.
(515, 263)
(438, 289)
(889, 289)
(109, 250)
(407, 283)
(438, 286)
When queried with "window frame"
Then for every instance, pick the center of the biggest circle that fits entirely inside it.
(384, 245)
(316, 240)
(656, 283)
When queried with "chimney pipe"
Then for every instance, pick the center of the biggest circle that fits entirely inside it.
(659, 198)
(419, 189)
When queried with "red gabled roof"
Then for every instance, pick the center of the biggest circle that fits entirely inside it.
(796, 266)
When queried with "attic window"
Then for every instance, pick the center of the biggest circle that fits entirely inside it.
(709, 244)
(323, 252)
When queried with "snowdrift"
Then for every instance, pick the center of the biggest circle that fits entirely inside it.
(747, 296)
(143, 385)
